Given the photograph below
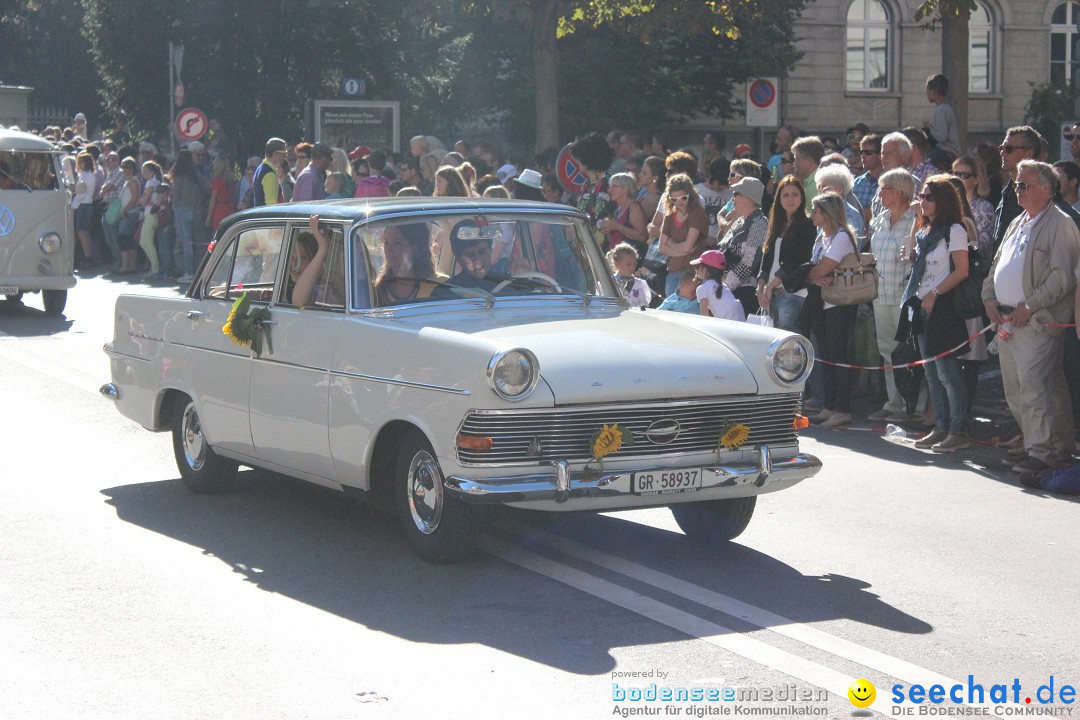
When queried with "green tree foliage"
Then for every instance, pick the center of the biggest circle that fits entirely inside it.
(41, 47)
(254, 64)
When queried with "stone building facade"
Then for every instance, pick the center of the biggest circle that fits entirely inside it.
(868, 60)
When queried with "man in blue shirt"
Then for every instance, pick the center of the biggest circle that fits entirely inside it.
(866, 185)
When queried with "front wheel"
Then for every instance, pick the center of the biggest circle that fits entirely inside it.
(201, 469)
(438, 526)
(715, 519)
(55, 301)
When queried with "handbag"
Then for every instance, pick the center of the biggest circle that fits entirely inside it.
(854, 280)
(112, 212)
(654, 259)
(762, 318)
(967, 296)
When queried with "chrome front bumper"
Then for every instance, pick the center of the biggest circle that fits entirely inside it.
(561, 484)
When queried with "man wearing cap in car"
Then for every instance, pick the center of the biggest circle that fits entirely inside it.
(310, 183)
(471, 244)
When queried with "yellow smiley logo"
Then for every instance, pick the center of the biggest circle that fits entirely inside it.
(862, 693)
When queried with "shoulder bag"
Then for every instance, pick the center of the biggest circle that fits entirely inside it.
(967, 296)
(854, 280)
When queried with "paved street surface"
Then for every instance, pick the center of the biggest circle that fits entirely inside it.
(122, 595)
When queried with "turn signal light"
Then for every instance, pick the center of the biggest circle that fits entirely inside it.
(474, 442)
(801, 421)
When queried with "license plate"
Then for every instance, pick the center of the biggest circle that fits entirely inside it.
(666, 482)
(8, 290)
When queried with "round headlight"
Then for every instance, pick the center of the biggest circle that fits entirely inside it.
(791, 358)
(513, 373)
(50, 242)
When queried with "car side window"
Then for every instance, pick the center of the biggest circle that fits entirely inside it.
(249, 265)
(328, 291)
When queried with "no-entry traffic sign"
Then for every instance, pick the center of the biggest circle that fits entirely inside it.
(191, 124)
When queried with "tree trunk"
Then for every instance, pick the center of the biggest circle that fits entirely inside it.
(545, 73)
(954, 64)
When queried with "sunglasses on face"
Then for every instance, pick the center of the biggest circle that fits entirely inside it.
(1069, 137)
(964, 175)
(1022, 186)
(680, 199)
(786, 161)
(926, 197)
(864, 153)
(1012, 148)
(854, 136)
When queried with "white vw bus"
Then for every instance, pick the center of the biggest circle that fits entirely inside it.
(37, 252)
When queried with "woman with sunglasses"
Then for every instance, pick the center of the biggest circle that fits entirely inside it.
(940, 264)
(972, 172)
(684, 230)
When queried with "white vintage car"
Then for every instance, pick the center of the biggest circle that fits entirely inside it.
(439, 355)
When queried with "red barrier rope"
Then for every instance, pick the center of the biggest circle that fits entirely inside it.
(924, 361)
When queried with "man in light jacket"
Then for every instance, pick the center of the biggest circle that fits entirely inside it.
(1030, 286)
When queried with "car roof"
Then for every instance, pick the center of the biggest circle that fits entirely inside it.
(16, 140)
(353, 209)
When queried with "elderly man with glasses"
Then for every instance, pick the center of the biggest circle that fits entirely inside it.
(1029, 289)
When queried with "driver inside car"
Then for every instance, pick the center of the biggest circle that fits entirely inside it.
(471, 244)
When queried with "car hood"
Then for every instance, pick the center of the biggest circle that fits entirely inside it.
(608, 355)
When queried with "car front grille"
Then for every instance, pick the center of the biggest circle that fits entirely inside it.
(565, 433)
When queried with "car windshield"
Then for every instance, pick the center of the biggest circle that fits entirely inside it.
(21, 170)
(428, 258)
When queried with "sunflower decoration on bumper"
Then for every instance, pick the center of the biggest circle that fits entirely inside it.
(609, 439)
(246, 327)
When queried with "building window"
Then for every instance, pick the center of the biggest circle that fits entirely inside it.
(1064, 42)
(980, 51)
(869, 45)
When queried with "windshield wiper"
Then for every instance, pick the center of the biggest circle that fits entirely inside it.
(18, 180)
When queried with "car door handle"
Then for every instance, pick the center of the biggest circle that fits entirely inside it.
(266, 322)
(195, 314)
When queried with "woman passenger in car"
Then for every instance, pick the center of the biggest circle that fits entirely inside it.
(409, 266)
(306, 262)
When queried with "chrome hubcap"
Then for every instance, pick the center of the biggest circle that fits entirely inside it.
(425, 492)
(194, 446)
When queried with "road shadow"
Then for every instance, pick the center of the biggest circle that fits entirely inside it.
(20, 320)
(317, 547)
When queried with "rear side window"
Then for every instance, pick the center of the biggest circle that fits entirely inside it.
(249, 264)
(27, 171)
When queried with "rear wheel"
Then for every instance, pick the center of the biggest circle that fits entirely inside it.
(438, 526)
(201, 469)
(55, 301)
(715, 519)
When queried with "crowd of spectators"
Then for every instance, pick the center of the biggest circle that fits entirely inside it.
(736, 238)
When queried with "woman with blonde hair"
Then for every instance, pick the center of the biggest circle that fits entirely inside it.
(833, 325)
(684, 231)
(972, 172)
(628, 224)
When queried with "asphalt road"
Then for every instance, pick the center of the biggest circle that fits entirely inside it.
(122, 595)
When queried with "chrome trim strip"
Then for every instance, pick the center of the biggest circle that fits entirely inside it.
(404, 383)
(117, 353)
(545, 486)
(636, 404)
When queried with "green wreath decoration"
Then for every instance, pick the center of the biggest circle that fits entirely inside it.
(247, 327)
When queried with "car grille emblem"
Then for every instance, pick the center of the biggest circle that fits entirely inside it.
(663, 432)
